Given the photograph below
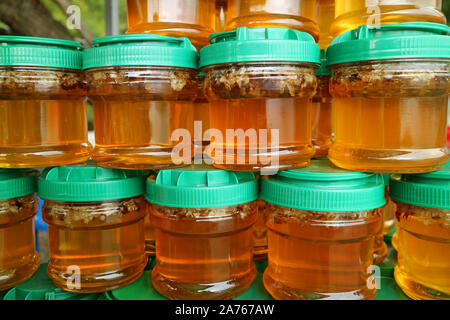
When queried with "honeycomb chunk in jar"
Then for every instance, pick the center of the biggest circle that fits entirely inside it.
(390, 114)
(42, 108)
(194, 19)
(139, 108)
(261, 109)
(321, 232)
(423, 234)
(203, 219)
(18, 206)
(292, 14)
(97, 231)
(351, 14)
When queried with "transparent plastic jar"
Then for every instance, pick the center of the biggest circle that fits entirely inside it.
(96, 228)
(18, 206)
(322, 223)
(423, 231)
(350, 14)
(221, 15)
(203, 219)
(321, 111)
(42, 109)
(194, 19)
(390, 111)
(292, 14)
(259, 85)
(325, 17)
(142, 88)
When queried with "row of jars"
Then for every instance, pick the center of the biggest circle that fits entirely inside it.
(323, 19)
(390, 87)
(322, 229)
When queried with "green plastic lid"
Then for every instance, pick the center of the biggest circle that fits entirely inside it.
(387, 178)
(40, 52)
(16, 183)
(324, 187)
(141, 50)
(426, 190)
(41, 287)
(201, 186)
(323, 70)
(89, 183)
(392, 41)
(260, 44)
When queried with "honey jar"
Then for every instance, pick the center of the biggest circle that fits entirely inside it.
(423, 233)
(143, 89)
(18, 206)
(96, 227)
(322, 222)
(390, 87)
(42, 109)
(203, 219)
(259, 83)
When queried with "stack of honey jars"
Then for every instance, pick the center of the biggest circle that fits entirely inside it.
(231, 131)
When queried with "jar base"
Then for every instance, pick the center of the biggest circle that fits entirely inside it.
(225, 290)
(14, 276)
(388, 161)
(380, 253)
(43, 156)
(416, 290)
(280, 291)
(138, 158)
(99, 282)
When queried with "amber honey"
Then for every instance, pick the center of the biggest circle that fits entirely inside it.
(150, 246)
(293, 14)
(204, 253)
(260, 233)
(321, 117)
(194, 19)
(43, 117)
(18, 257)
(423, 247)
(350, 14)
(325, 17)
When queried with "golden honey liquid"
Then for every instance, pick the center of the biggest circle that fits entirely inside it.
(389, 214)
(321, 118)
(194, 19)
(150, 246)
(260, 234)
(292, 14)
(18, 257)
(407, 134)
(290, 118)
(221, 15)
(350, 14)
(320, 258)
(102, 257)
(423, 246)
(203, 258)
(325, 17)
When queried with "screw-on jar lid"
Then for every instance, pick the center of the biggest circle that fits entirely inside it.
(260, 45)
(40, 52)
(425, 190)
(324, 187)
(41, 287)
(393, 41)
(201, 186)
(323, 70)
(141, 50)
(81, 183)
(16, 183)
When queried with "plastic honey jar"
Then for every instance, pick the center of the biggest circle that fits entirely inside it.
(194, 19)
(350, 14)
(259, 83)
(390, 87)
(142, 88)
(96, 229)
(203, 219)
(423, 233)
(42, 109)
(18, 206)
(292, 14)
(322, 222)
(325, 17)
